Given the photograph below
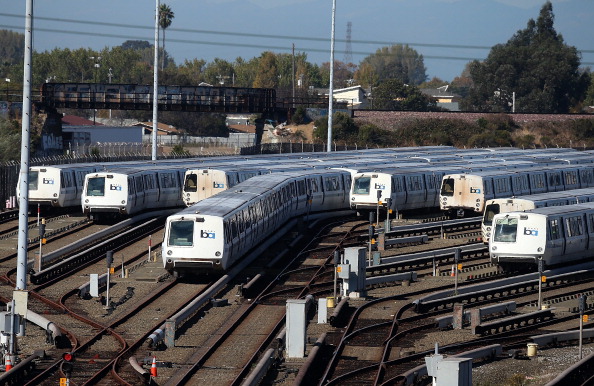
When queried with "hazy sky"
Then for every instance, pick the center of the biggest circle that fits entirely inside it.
(448, 33)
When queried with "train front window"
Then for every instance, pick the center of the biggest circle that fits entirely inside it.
(191, 184)
(181, 233)
(33, 180)
(490, 212)
(506, 230)
(96, 186)
(361, 185)
(447, 187)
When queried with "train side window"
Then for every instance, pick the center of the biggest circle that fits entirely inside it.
(574, 226)
(301, 187)
(571, 177)
(398, 184)
(586, 177)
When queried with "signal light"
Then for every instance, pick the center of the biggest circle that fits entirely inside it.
(68, 356)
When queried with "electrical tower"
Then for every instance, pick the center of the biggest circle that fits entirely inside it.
(348, 52)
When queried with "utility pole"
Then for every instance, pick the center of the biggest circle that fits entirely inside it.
(331, 88)
(21, 279)
(156, 83)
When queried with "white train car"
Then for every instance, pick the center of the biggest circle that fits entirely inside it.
(58, 185)
(218, 231)
(205, 182)
(556, 235)
(467, 192)
(529, 202)
(128, 191)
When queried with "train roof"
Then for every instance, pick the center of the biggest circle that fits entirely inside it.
(552, 210)
(547, 196)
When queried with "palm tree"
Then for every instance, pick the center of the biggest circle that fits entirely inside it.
(166, 16)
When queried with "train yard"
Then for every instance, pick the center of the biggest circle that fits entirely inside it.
(230, 329)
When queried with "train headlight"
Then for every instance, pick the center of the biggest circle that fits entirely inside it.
(488, 229)
(169, 252)
(493, 248)
(478, 200)
(353, 199)
(539, 249)
(488, 234)
(123, 202)
(217, 253)
(87, 201)
(478, 204)
(55, 194)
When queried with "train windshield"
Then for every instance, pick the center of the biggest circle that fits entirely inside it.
(181, 233)
(447, 187)
(96, 186)
(191, 184)
(33, 179)
(490, 212)
(361, 185)
(506, 230)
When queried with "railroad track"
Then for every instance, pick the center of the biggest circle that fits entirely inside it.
(241, 323)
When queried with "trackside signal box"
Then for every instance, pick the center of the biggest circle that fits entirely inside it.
(352, 271)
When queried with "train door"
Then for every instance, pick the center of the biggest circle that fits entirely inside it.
(590, 229)
(398, 192)
(556, 239)
(151, 190)
(575, 237)
(139, 187)
(132, 199)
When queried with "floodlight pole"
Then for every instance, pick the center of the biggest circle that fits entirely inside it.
(156, 83)
(21, 279)
(331, 88)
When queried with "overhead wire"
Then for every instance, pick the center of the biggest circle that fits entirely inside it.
(250, 35)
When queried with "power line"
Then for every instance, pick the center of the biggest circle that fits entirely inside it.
(211, 43)
(242, 34)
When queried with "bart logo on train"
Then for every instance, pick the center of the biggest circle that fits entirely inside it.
(475, 190)
(48, 181)
(218, 185)
(380, 186)
(530, 232)
(207, 235)
(115, 187)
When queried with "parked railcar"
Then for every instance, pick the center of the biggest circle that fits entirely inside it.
(218, 231)
(529, 202)
(128, 191)
(204, 182)
(555, 235)
(467, 192)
